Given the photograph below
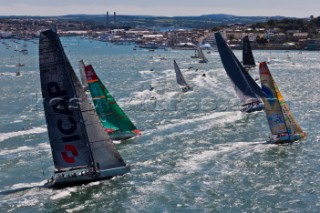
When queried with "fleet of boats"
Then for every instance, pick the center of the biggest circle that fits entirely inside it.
(81, 130)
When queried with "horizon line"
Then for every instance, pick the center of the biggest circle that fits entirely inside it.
(111, 14)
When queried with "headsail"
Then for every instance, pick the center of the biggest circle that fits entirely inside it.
(246, 88)
(76, 135)
(83, 75)
(180, 79)
(247, 55)
(114, 120)
(287, 112)
(201, 56)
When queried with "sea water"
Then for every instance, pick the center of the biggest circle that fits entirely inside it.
(198, 152)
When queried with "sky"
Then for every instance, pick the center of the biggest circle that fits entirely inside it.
(292, 8)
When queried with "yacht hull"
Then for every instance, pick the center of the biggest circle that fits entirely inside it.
(78, 179)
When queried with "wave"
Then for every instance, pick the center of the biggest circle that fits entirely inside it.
(219, 151)
(16, 121)
(8, 74)
(216, 118)
(11, 152)
(19, 187)
(35, 130)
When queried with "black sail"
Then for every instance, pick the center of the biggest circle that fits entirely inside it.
(180, 79)
(247, 55)
(246, 88)
(74, 129)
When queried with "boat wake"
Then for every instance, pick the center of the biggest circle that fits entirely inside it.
(20, 187)
(35, 130)
(8, 74)
(12, 153)
(221, 153)
(10, 65)
(205, 122)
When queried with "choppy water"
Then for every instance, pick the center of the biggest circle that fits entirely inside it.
(198, 152)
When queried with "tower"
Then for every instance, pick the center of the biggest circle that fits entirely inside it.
(107, 20)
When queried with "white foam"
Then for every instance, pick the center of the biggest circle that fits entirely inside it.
(146, 72)
(206, 81)
(17, 121)
(63, 194)
(76, 209)
(243, 149)
(35, 130)
(7, 74)
(42, 146)
(16, 150)
(213, 119)
(26, 185)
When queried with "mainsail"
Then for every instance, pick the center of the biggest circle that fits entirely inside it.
(272, 105)
(76, 135)
(279, 116)
(201, 56)
(180, 79)
(247, 56)
(113, 119)
(83, 75)
(246, 88)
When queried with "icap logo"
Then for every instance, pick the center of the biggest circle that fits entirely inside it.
(70, 151)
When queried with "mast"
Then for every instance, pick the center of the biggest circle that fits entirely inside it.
(77, 88)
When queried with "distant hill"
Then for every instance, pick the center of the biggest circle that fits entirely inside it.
(203, 21)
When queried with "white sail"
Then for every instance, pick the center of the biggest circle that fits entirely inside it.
(201, 56)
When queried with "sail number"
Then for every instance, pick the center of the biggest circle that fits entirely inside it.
(59, 103)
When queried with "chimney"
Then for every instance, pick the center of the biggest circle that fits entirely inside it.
(107, 20)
